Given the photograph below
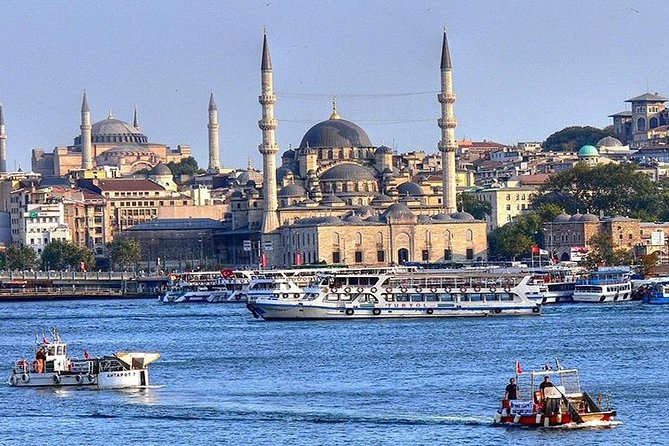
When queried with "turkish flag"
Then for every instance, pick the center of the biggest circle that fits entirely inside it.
(519, 369)
(535, 249)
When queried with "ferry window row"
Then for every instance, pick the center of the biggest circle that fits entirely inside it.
(448, 297)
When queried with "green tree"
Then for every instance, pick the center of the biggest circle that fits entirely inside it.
(602, 252)
(187, 166)
(61, 255)
(20, 257)
(469, 203)
(571, 139)
(615, 189)
(124, 253)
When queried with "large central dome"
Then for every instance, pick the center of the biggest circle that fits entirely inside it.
(335, 132)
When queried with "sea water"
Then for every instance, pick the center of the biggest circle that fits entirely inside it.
(226, 378)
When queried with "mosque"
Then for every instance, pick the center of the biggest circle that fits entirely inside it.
(338, 198)
(109, 142)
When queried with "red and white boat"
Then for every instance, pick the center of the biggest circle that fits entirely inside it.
(564, 404)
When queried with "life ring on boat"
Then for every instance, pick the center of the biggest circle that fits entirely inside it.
(373, 289)
(403, 289)
(507, 288)
(333, 290)
(536, 309)
(349, 311)
(429, 311)
(78, 379)
(13, 380)
(477, 288)
(419, 289)
(376, 311)
(25, 378)
(463, 289)
(433, 289)
(448, 289)
(90, 377)
(360, 289)
(493, 289)
(389, 290)
(498, 310)
(56, 379)
(347, 289)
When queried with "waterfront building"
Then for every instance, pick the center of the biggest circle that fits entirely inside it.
(37, 224)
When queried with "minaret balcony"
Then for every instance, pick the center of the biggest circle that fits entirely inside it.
(267, 99)
(448, 98)
(268, 124)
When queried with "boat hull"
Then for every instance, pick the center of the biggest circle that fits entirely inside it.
(103, 380)
(601, 297)
(278, 311)
(539, 420)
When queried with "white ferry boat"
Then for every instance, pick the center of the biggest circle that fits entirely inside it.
(52, 367)
(607, 284)
(385, 293)
(284, 284)
(557, 284)
(207, 286)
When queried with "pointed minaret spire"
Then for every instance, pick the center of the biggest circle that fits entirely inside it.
(266, 63)
(447, 145)
(214, 148)
(269, 148)
(3, 142)
(86, 139)
(135, 119)
(249, 166)
(334, 114)
(445, 54)
(110, 115)
(84, 104)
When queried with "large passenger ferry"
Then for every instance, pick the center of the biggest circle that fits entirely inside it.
(401, 293)
(607, 284)
(557, 284)
(207, 286)
(52, 367)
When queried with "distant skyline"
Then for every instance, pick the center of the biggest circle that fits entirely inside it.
(522, 70)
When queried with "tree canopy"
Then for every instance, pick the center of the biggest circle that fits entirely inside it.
(59, 255)
(124, 252)
(571, 139)
(187, 166)
(469, 203)
(20, 257)
(615, 189)
(602, 252)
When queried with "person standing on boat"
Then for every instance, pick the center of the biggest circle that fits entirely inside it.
(546, 383)
(40, 358)
(511, 392)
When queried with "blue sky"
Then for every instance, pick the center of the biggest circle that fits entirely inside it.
(522, 69)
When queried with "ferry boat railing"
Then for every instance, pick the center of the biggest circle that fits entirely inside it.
(454, 282)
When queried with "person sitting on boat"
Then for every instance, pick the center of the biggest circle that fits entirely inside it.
(511, 392)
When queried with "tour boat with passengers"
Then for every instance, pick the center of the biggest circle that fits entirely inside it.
(552, 397)
(52, 367)
(401, 293)
(607, 284)
(557, 284)
(207, 286)
(284, 284)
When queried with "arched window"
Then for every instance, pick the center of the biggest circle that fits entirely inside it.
(428, 237)
(330, 154)
(358, 238)
(448, 237)
(653, 122)
(337, 238)
(641, 125)
(470, 235)
(379, 238)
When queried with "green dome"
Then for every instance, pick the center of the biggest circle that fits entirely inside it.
(588, 151)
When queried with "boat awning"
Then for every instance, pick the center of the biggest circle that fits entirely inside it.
(137, 360)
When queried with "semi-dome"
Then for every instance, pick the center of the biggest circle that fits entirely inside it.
(398, 210)
(588, 151)
(561, 218)
(161, 170)
(442, 217)
(609, 141)
(291, 191)
(331, 199)
(347, 172)
(409, 188)
(335, 133)
(463, 216)
(590, 217)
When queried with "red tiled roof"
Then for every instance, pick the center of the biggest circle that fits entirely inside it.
(533, 179)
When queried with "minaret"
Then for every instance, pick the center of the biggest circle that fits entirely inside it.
(3, 142)
(448, 145)
(269, 147)
(135, 120)
(214, 149)
(86, 149)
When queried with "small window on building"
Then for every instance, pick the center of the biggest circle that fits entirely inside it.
(426, 255)
(470, 254)
(336, 258)
(358, 257)
(380, 256)
(448, 254)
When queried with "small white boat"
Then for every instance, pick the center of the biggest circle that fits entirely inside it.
(52, 367)
(207, 287)
(607, 284)
(557, 284)
(396, 293)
